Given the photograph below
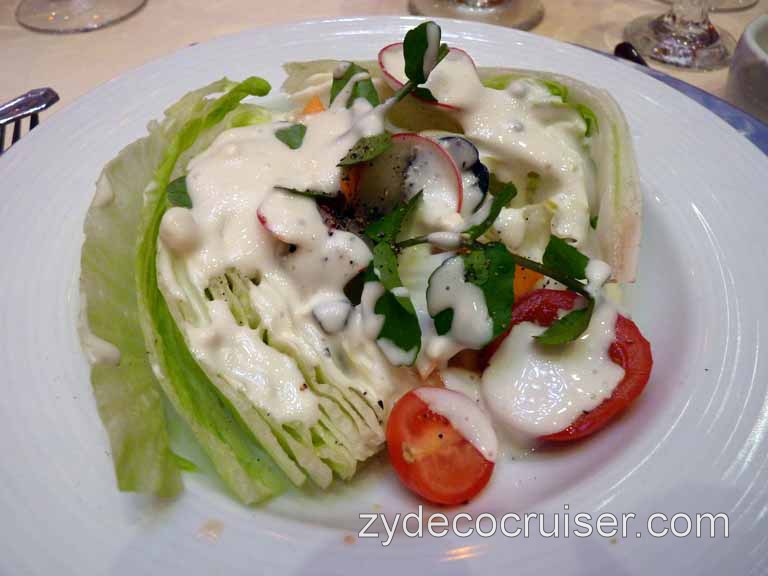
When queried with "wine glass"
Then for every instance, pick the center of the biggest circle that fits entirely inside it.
(522, 14)
(67, 16)
(684, 36)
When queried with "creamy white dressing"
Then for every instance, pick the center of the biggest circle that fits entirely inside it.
(97, 350)
(240, 220)
(268, 378)
(537, 390)
(179, 231)
(472, 326)
(445, 240)
(598, 273)
(431, 174)
(465, 416)
(526, 129)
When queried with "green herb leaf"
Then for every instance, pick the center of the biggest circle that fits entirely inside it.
(385, 267)
(561, 256)
(492, 268)
(443, 321)
(401, 327)
(569, 327)
(361, 89)
(292, 136)
(424, 94)
(308, 193)
(178, 194)
(415, 48)
(503, 193)
(589, 119)
(367, 149)
(387, 228)
(593, 222)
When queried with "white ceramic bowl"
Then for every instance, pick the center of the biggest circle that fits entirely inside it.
(748, 78)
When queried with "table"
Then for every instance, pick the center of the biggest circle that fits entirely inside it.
(74, 64)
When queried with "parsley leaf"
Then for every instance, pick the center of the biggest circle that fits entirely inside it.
(569, 327)
(367, 149)
(503, 193)
(178, 194)
(292, 136)
(564, 258)
(387, 228)
(361, 89)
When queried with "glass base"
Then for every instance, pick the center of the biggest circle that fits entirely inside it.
(725, 5)
(521, 14)
(69, 16)
(683, 44)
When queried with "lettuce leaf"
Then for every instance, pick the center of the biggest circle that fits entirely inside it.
(129, 400)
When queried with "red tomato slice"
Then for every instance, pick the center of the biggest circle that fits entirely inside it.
(431, 457)
(630, 350)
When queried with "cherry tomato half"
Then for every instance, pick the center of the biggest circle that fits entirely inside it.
(431, 457)
(630, 350)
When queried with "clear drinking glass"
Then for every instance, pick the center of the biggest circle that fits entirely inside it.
(522, 14)
(67, 16)
(726, 5)
(684, 36)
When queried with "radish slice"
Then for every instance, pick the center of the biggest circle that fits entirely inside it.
(413, 163)
(392, 64)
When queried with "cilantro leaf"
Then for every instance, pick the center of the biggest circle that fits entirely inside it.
(387, 228)
(361, 89)
(367, 149)
(561, 256)
(178, 194)
(292, 136)
(569, 327)
(503, 193)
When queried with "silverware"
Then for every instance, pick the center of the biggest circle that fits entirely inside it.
(27, 105)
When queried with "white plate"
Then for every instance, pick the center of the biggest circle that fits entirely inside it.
(695, 442)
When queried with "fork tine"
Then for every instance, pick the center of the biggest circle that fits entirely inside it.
(16, 132)
(34, 120)
(2, 138)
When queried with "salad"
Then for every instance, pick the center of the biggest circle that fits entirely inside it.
(412, 253)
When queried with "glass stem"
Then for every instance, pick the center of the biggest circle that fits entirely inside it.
(690, 12)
